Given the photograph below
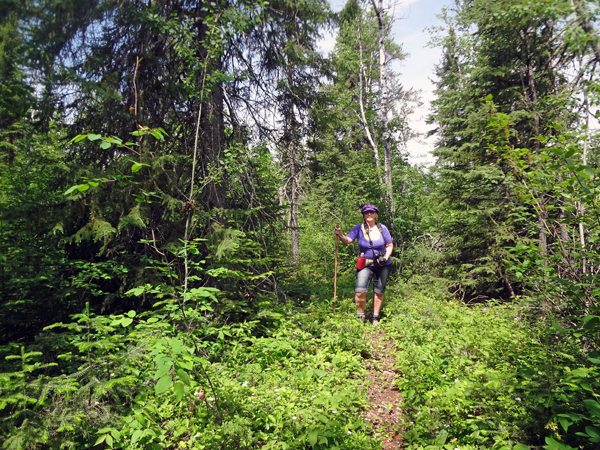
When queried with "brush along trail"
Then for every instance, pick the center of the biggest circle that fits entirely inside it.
(384, 399)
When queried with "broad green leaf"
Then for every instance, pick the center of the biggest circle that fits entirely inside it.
(157, 135)
(126, 321)
(182, 374)
(93, 183)
(71, 189)
(78, 138)
(83, 187)
(136, 167)
(105, 145)
(593, 432)
(593, 406)
(101, 439)
(131, 313)
(520, 447)
(137, 434)
(312, 437)
(588, 170)
(163, 370)
(565, 423)
(109, 440)
(186, 363)
(319, 373)
(179, 391)
(94, 137)
(135, 291)
(441, 439)
(163, 384)
(553, 445)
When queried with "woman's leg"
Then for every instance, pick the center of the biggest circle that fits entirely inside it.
(360, 298)
(377, 303)
(363, 279)
(379, 282)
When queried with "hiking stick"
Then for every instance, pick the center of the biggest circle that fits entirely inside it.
(337, 238)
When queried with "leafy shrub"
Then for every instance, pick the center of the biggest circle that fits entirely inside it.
(483, 377)
(140, 382)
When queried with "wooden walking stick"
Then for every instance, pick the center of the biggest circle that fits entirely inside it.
(337, 238)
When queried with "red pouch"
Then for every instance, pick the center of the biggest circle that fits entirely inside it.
(360, 262)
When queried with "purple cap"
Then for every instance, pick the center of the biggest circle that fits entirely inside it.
(367, 208)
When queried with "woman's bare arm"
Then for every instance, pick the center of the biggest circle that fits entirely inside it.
(344, 239)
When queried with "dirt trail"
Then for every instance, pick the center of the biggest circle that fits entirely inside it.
(385, 411)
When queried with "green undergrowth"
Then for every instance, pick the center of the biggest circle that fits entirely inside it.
(487, 377)
(291, 380)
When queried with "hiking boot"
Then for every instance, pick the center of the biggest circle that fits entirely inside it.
(375, 321)
(361, 317)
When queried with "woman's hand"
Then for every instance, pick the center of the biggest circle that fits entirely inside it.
(338, 232)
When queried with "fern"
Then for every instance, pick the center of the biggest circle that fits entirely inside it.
(226, 239)
(134, 218)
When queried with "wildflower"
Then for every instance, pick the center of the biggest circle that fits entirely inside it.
(244, 384)
(334, 412)
(196, 435)
(313, 396)
(294, 418)
(211, 399)
(454, 440)
(276, 390)
(551, 426)
(349, 432)
(112, 374)
(443, 376)
(518, 399)
(558, 436)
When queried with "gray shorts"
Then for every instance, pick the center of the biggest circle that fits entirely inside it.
(379, 275)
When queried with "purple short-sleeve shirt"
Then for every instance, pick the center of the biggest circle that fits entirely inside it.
(378, 244)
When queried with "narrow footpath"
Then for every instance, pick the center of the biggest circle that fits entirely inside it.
(384, 399)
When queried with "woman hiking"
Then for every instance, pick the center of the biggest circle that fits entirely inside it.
(375, 248)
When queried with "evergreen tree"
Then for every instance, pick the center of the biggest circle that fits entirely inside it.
(502, 59)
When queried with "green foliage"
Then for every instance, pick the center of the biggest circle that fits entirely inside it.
(534, 88)
(130, 380)
(486, 377)
(559, 185)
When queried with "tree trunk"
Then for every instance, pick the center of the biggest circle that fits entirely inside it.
(294, 200)
(586, 25)
(383, 112)
(361, 102)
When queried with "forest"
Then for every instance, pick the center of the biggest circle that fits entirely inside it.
(171, 173)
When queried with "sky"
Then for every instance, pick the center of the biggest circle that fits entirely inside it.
(409, 30)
